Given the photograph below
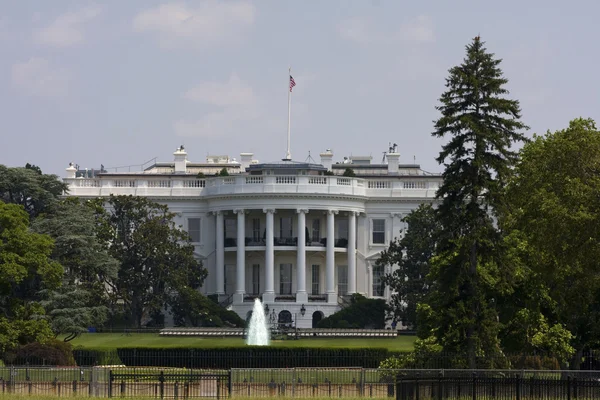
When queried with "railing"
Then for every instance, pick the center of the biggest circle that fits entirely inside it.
(287, 242)
(172, 383)
(244, 184)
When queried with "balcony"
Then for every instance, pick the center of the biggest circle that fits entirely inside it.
(184, 186)
(341, 243)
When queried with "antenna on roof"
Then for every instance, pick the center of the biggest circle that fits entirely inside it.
(310, 159)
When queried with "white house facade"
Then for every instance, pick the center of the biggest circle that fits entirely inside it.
(299, 235)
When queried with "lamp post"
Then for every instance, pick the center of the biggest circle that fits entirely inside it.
(302, 310)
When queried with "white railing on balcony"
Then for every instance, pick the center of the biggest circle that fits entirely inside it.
(162, 183)
(87, 183)
(285, 180)
(254, 180)
(415, 185)
(124, 183)
(317, 180)
(247, 185)
(379, 184)
(195, 183)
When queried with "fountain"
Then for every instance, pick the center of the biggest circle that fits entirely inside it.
(258, 330)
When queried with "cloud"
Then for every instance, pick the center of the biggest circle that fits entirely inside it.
(210, 23)
(67, 29)
(232, 93)
(364, 31)
(36, 77)
(236, 103)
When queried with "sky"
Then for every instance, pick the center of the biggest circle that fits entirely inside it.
(119, 83)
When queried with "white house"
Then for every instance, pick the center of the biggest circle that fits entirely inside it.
(299, 235)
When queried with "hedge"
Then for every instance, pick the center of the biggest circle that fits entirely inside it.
(234, 357)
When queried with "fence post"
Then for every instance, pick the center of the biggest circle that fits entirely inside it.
(74, 386)
(568, 387)
(399, 387)
(440, 387)
(574, 387)
(230, 382)
(518, 387)
(361, 388)
(110, 383)
(417, 390)
(176, 390)
(474, 389)
(161, 380)
(123, 388)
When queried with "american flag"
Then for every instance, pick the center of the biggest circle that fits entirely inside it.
(292, 83)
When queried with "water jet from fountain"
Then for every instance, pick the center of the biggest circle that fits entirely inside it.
(258, 329)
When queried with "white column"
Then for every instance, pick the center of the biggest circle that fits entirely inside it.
(330, 258)
(352, 252)
(240, 273)
(269, 293)
(301, 295)
(369, 280)
(220, 254)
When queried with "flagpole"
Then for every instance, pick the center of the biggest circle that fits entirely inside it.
(288, 156)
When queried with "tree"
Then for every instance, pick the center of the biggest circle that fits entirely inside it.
(192, 308)
(223, 172)
(25, 269)
(554, 212)
(349, 172)
(155, 256)
(360, 313)
(411, 254)
(28, 187)
(467, 273)
(82, 301)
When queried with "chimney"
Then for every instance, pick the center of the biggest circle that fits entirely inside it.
(71, 171)
(327, 159)
(393, 160)
(180, 160)
(245, 160)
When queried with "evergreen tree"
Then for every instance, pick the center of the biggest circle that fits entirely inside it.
(411, 254)
(467, 272)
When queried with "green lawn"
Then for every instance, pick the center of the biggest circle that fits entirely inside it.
(114, 340)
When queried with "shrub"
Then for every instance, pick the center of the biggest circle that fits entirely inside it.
(252, 357)
(92, 357)
(51, 352)
(349, 172)
(361, 313)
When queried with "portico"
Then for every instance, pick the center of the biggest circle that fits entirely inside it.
(283, 243)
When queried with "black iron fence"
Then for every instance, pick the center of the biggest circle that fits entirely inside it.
(178, 383)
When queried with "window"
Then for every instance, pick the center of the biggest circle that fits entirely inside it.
(255, 279)
(285, 228)
(377, 283)
(342, 280)
(256, 230)
(378, 231)
(342, 229)
(230, 228)
(316, 277)
(285, 279)
(316, 230)
(194, 229)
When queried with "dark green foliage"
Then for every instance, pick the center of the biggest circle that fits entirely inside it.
(28, 187)
(201, 175)
(51, 352)
(223, 172)
(412, 255)
(349, 172)
(191, 308)
(467, 272)
(328, 173)
(25, 270)
(82, 301)
(252, 357)
(155, 256)
(91, 357)
(361, 313)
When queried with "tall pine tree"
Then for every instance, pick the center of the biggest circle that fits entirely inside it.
(466, 273)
